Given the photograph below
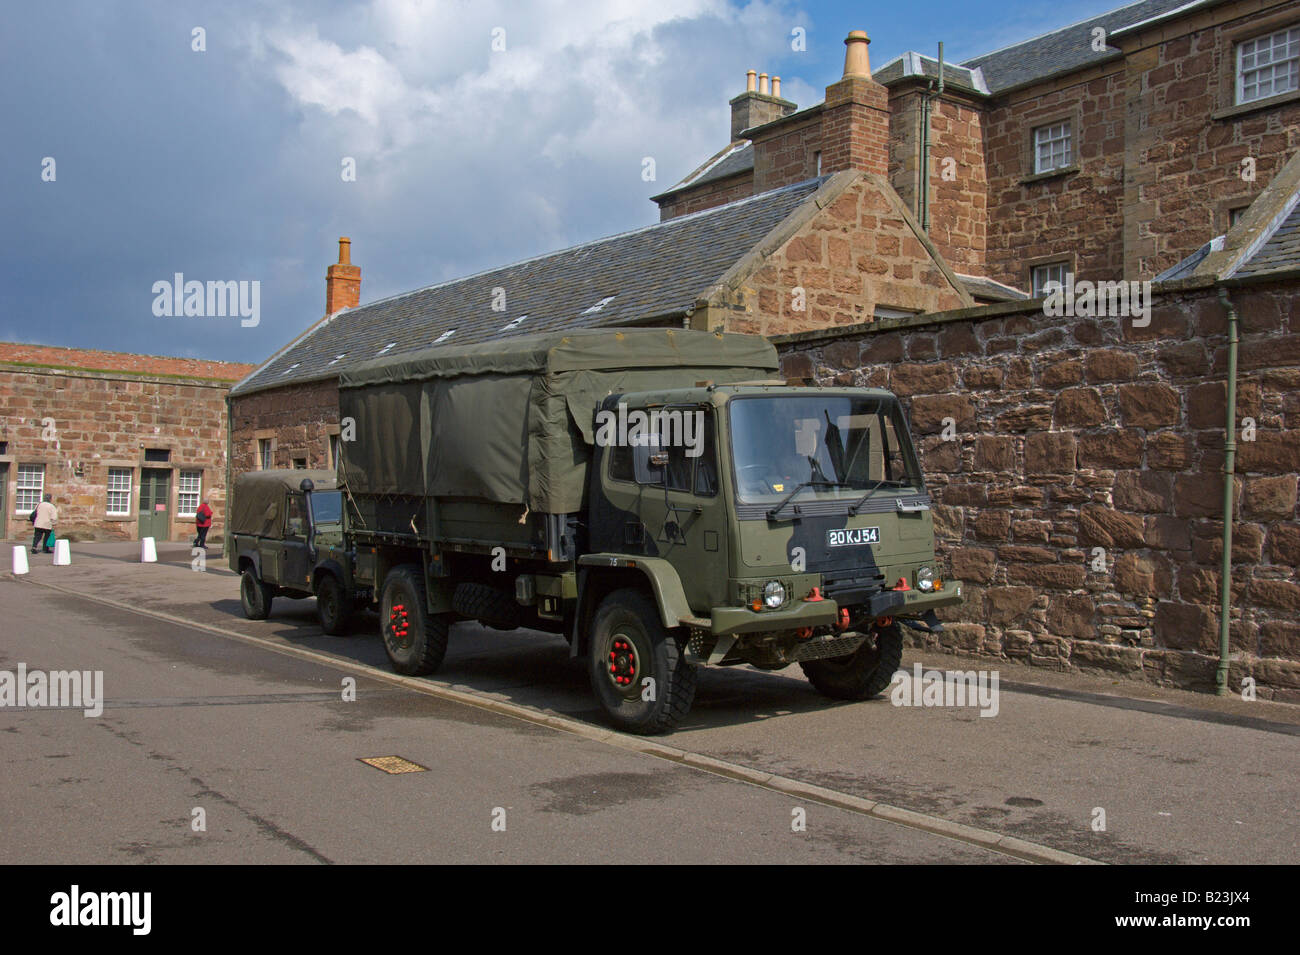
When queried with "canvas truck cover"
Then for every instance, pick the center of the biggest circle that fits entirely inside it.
(512, 421)
(258, 507)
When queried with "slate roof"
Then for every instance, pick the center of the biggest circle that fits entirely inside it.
(1066, 49)
(735, 158)
(1280, 251)
(657, 272)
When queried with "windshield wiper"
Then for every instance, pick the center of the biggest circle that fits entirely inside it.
(771, 515)
(853, 508)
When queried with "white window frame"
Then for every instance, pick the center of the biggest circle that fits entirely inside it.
(110, 491)
(265, 454)
(335, 445)
(1058, 138)
(1271, 62)
(22, 508)
(182, 493)
(1048, 271)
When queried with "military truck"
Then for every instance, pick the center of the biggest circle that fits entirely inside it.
(659, 497)
(287, 539)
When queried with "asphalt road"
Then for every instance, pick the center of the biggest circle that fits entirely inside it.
(265, 745)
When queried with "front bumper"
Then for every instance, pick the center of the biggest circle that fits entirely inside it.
(822, 613)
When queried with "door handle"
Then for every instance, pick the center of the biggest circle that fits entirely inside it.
(910, 508)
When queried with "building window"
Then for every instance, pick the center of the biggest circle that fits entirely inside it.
(1048, 277)
(1052, 147)
(157, 455)
(1268, 65)
(1234, 215)
(334, 451)
(817, 161)
(119, 491)
(264, 453)
(31, 482)
(300, 464)
(189, 489)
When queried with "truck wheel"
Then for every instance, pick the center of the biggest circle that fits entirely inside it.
(332, 605)
(415, 640)
(254, 595)
(628, 645)
(862, 674)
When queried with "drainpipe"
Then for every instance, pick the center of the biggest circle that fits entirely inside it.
(1229, 470)
(230, 488)
(923, 202)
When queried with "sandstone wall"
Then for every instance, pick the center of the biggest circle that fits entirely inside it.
(1075, 434)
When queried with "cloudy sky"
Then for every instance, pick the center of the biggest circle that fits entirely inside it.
(227, 163)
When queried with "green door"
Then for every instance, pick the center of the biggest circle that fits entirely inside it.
(155, 503)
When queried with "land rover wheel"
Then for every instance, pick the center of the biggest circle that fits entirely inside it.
(862, 674)
(332, 605)
(415, 640)
(638, 670)
(254, 595)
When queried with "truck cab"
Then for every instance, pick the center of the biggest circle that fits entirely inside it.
(287, 539)
(786, 524)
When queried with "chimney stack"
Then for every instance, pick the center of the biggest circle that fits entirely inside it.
(855, 117)
(342, 281)
(757, 105)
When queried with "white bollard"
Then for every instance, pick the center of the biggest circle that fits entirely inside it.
(148, 553)
(62, 552)
(20, 559)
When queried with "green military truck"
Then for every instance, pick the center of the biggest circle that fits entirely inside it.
(286, 531)
(657, 496)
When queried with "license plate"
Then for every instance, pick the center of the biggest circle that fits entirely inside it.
(851, 536)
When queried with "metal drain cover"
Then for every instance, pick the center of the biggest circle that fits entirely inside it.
(394, 764)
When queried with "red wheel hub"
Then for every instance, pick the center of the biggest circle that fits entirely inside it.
(622, 662)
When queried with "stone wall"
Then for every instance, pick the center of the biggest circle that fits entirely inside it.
(102, 420)
(297, 419)
(1072, 434)
(858, 253)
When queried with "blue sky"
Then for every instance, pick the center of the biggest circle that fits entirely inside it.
(225, 164)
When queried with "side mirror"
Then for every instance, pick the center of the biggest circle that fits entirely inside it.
(648, 463)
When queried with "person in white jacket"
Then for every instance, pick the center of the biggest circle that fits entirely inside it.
(47, 515)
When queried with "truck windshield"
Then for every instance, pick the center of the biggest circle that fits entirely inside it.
(326, 507)
(842, 446)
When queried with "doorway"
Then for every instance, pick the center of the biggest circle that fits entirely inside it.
(155, 503)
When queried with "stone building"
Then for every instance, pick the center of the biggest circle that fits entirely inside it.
(127, 444)
(1157, 142)
(1110, 148)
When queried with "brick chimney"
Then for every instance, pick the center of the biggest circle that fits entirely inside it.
(758, 105)
(855, 118)
(342, 281)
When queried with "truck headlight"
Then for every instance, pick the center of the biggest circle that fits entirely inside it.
(925, 579)
(773, 594)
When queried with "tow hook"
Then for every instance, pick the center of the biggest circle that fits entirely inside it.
(929, 623)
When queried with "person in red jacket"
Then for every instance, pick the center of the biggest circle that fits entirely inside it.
(202, 523)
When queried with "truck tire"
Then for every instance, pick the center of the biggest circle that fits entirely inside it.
(496, 608)
(863, 673)
(333, 607)
(414, 639)
(629, 644)
(254, 595)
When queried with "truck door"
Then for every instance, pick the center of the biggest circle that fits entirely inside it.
(665, 501)
(295, 566)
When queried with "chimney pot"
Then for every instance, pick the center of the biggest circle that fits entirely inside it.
(762, 83)
(749, 81)
(856, 61)
(345, 250)
(776, 86)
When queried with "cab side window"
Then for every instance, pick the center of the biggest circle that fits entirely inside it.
(295, 521)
